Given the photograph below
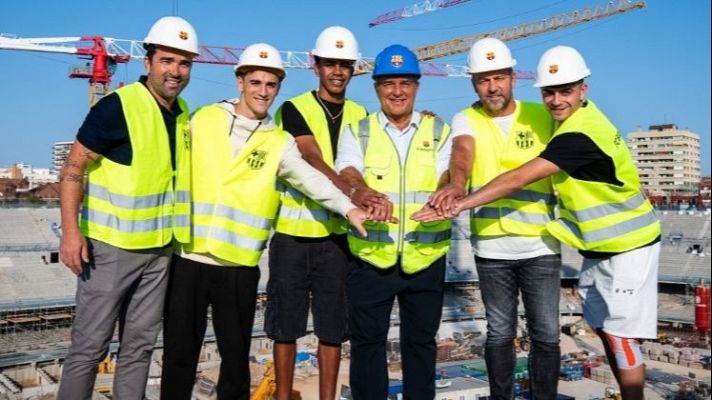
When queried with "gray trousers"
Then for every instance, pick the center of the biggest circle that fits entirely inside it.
(117, 284)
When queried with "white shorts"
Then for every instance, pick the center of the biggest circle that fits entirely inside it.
(620, 293)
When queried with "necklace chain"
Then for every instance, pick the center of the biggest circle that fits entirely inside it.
(331, 116)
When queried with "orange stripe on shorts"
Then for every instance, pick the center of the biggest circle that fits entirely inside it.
(628, 351)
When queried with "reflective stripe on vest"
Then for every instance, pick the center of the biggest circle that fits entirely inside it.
(511, 213)
(598, 216)
(299, 215)
(515, 213)
(234, 239)
(235, 200)
(408, 187)
(304, 213)
(526, 211)
(603, 210)
(132, 202)
(363, 136)
(220, 210)
(145, 204)
(618, 229)
(127, 225)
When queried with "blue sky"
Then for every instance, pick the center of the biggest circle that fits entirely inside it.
(649, 66)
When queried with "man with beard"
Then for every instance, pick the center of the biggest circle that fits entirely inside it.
(513, 251)
(603, 214)
(308, 254)
(135, 148)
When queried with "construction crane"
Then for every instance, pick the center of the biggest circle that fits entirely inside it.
(414, 10)
(104, 54)
(570, 18)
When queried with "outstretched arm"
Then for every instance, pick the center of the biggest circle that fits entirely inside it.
(452, 187)
(312, 154)
(499, 187)
(376, 203)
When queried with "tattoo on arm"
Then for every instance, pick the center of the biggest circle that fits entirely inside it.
(88, 154)
(69, 163)
(71, 178)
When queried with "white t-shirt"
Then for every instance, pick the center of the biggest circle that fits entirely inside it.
(509, 247)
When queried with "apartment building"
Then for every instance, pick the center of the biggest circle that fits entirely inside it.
(668, 159)
(60, 152)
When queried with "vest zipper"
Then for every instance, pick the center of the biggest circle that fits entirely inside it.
(401, 195)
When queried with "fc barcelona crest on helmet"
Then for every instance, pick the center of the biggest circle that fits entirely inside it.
(183, 35)
(263, 54)
(396, 60)
(553, 68)
(524, 140)
(257, 159)
(339, 44)
(490, 55)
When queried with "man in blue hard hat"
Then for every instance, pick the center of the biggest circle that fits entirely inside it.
(399, 153)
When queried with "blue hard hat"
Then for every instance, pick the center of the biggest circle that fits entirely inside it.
(396, 60)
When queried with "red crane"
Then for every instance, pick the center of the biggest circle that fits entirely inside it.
(105, 53)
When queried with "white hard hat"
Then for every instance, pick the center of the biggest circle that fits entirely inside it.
(560, 65)
(261, 55)
(173, 32)
(489, 54)
(338, 43)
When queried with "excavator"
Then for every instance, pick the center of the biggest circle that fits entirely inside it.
(106, 366)
(265, 390)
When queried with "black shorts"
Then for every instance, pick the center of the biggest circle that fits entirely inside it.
(304, 272)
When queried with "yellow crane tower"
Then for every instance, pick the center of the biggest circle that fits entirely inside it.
(570, 18)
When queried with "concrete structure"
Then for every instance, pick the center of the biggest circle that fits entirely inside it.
(668, 159)
(60, 152)
(21, 180)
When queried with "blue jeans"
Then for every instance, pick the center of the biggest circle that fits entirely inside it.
(538, 280)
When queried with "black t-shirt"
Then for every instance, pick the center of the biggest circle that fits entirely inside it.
(580, 157)
(294, 123)
(104, 130)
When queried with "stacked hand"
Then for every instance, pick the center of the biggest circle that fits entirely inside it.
(379, 208)
(430, 214)
(443, 201)
(443, 204)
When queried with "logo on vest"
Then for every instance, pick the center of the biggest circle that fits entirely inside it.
(426, 145)
(525, 140)
(617, 140)
(257, 158)
(186, 138)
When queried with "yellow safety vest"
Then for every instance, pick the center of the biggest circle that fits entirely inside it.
(408, 187)
(526, 211)
(235, 199)
(298, 214)
(142, 205)
(600, 216)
